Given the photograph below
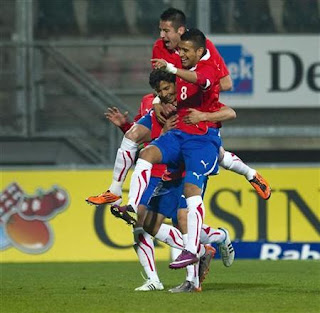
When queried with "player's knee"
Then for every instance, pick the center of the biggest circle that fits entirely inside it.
(193, 184)
(136, 133)
(221, 153)
(133, 134)
(151, 154)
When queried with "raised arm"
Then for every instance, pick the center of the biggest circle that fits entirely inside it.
(224, 114)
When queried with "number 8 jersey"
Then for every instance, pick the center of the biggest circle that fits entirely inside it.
(202, 95)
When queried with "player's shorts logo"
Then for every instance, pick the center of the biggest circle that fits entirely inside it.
(240, 63)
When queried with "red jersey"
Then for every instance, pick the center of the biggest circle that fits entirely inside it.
(145, 107)
(217, 58)
(202, 95)
(160, 51)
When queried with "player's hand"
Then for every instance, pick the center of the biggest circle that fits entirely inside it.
(169, 108)
(194, 116)
(162, 111)
(159, 112)
(116, 117)
(159, 63)
(170, 123)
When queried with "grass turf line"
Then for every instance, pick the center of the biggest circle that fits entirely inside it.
(248, 286)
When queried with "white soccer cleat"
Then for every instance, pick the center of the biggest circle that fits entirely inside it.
(226, 250)
(150, 285)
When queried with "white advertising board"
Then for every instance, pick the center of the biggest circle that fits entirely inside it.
(271, 70)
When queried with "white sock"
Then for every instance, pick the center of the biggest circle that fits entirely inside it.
(144, 248)
(185, 239)
(174, 253)
(233, 163)
(171, 236)
(202, 249)
(210, 235)
(139, 182)
(193, 274)
(195, 219)
(124, 160)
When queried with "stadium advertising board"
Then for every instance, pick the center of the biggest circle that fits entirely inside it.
(44, 216)
(272, 71)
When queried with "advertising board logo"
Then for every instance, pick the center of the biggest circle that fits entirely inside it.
(24, 219)
(287, 251)
(240, 63)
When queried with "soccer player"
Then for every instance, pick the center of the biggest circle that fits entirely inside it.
(165, 201)
(165, 206)
(198, 147)
(172, 25)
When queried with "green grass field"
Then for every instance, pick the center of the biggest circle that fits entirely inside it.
(248, 286)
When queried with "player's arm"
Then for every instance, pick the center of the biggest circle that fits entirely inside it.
(225, 83)
(162, 111)
(224, 114)
(186, 75)
(170, 123)
(118, 118)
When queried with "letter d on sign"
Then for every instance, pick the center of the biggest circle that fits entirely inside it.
(270, 251)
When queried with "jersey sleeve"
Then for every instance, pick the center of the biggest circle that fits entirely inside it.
(207, 75)
(217, 58)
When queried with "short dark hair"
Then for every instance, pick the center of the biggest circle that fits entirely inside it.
(157, 75)
(196, 36)
(175, 16)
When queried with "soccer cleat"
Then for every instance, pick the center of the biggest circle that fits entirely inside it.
(106, 197)
(226, 250)
(150, 285)
(122, 212)
(205, 260)
(261, 186)
(184, 259)
(187, 286)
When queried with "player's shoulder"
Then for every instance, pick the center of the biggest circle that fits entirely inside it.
(148, 97)
(146, 103)
(158, 44)
(212, 48)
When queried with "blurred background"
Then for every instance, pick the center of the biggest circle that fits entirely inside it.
(63, 62)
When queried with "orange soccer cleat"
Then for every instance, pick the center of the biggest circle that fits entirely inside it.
(205, 261)
(106, 197)
(261, 186)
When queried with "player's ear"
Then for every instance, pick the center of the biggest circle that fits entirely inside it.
(200, 52)
(181, 30)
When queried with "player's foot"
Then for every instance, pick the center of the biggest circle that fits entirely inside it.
(150, 285)
(106, 197)
(226, 250)
(261, 186)
(205, 260)
(184, 259)
(187, 286)
(122, 212)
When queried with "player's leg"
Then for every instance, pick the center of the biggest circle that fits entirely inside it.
(232, 162)
(199, 161)
(193, 281)
(220, 237)
(163, 204)
(138, 133)
(162, 150)
(143, 242)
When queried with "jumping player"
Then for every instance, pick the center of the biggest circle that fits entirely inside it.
(172, 26)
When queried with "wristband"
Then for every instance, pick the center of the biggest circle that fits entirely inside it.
(156, 100)
(170, 68)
